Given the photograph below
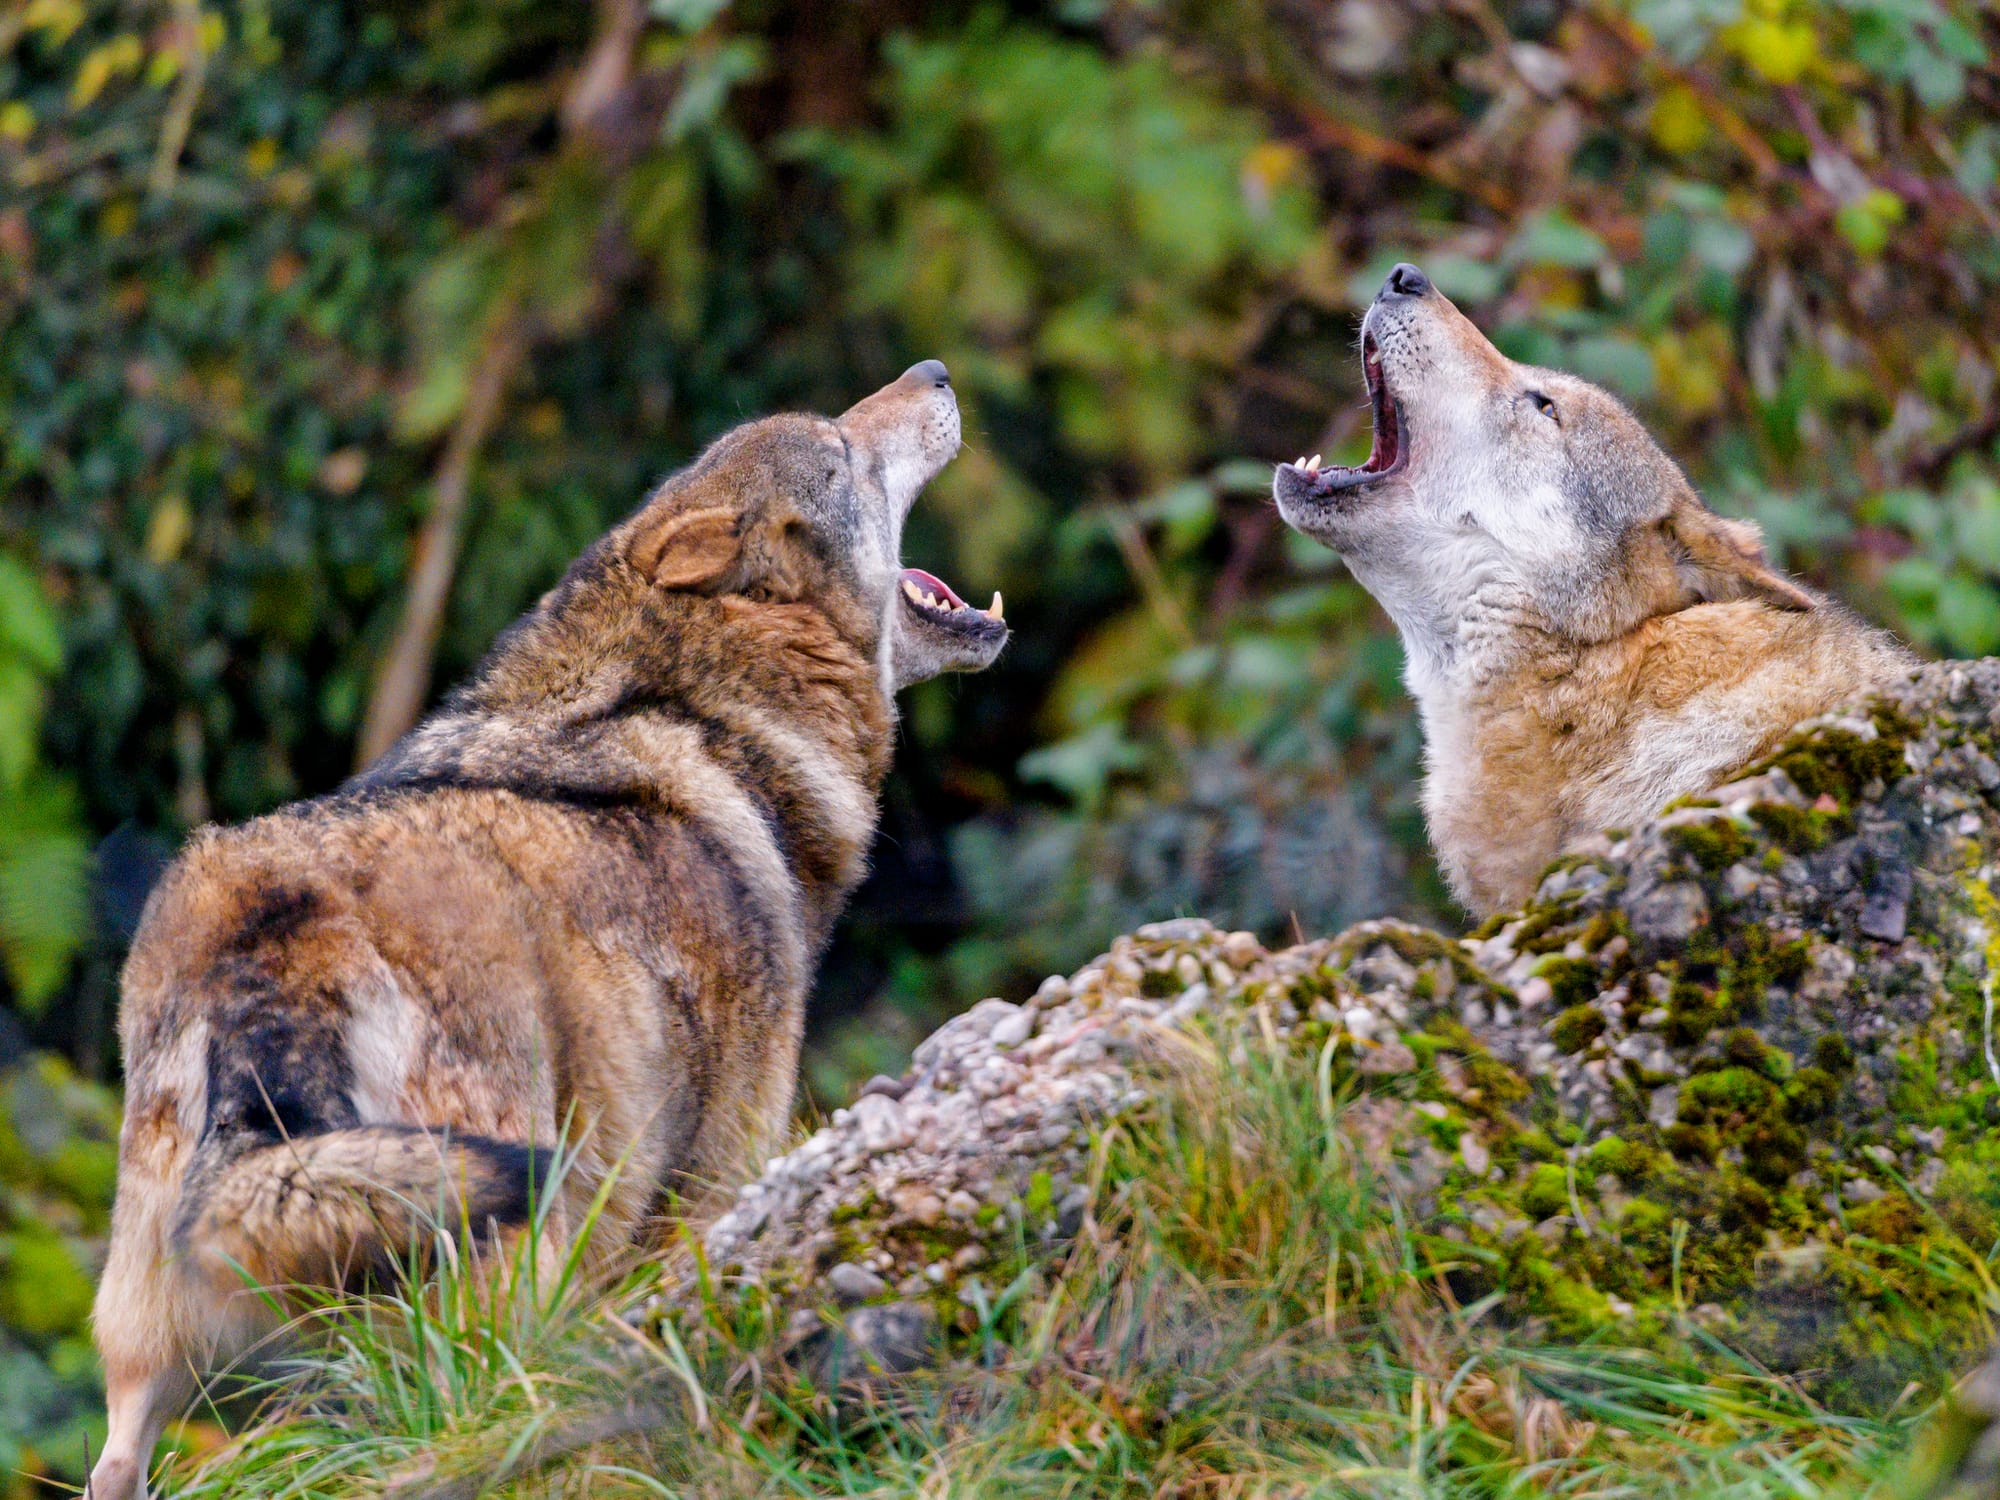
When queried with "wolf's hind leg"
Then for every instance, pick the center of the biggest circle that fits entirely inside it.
(139, 1404)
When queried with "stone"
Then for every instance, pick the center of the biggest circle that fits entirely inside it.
(1668, 912)
(1472, 1151)
(894, 1337)
(1885, 913)
(1011, 1031)
(852, 1283)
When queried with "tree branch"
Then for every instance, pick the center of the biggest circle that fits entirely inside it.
(591, 104)
(404, 677)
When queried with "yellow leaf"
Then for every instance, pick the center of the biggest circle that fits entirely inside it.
(1677, 122)
(120, 55)
(168, 530)
(57, 19)
(17, 121)
(164, 68)
(261, 157)
(1781, 51)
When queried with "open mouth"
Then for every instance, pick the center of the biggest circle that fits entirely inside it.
(931, 599)
(1388, 451)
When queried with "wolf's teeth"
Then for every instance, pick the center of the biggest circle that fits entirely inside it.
(993, 609)
(933, 601)
(1299, 462)
(1312, 464)
(911, 589)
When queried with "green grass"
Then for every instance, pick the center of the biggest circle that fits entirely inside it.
(1246, 1312)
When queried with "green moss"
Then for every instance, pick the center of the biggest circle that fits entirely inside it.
(1692, 1142)
(1692, 1013)
(1747, 1049)
(1773, 1150)
(1714, 844)
(1628, 1161)
(1743, 1204)
(1891, 1219)
(43, 1288)
(1727, 1091)
(1811, 1094)
(1833, 1054)
(1040, 1197)
(1838, 763)
(1161, 984)
(1546, 1192)
(1574, 980)
(1576, 1028)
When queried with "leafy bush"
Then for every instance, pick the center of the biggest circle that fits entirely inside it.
(43, 851)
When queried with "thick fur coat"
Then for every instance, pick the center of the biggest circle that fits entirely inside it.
(580, 905)
(1586, 641)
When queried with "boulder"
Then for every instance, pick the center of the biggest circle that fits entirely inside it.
(1734, 1070)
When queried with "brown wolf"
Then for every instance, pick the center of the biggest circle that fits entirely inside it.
(585, 896)
(1585, 639)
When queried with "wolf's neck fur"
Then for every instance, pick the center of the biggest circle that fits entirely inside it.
(1532, 743)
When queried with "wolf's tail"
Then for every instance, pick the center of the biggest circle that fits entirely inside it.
(319, 1208)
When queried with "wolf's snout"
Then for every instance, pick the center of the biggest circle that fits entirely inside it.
(929, 372)
(1404, 281)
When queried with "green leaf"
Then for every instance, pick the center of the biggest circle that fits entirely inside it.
(1976, 525)
(28, 626)
(1968, 615)
(1083, 765)
(44, 886)
(1553, 238)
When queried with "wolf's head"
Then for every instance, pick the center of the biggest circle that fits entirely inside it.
(806, 509)
(1497, 494)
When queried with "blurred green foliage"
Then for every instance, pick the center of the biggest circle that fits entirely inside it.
(254, 254)
(58, 1158)
(44, 849)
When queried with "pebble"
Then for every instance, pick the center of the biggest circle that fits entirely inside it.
(852, 1283)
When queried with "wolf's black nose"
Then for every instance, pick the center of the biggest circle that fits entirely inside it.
(1405, 281)
(928, 372)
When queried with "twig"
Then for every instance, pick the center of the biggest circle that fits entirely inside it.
(1930, 466)
(1145, 570)
(180, 109)
(1329, 130)
(404, 678)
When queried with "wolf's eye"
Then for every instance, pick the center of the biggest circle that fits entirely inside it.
(1544, 405)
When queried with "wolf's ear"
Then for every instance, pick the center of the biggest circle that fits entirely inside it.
(689, 550)
(1722, 559)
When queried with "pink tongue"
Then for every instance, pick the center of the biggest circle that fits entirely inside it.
(930, 583)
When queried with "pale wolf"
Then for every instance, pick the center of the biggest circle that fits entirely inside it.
(1585, 639)
(587, 894)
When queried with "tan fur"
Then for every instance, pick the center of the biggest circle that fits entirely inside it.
(579, 904)
(1565, 740)
(1586, 640)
